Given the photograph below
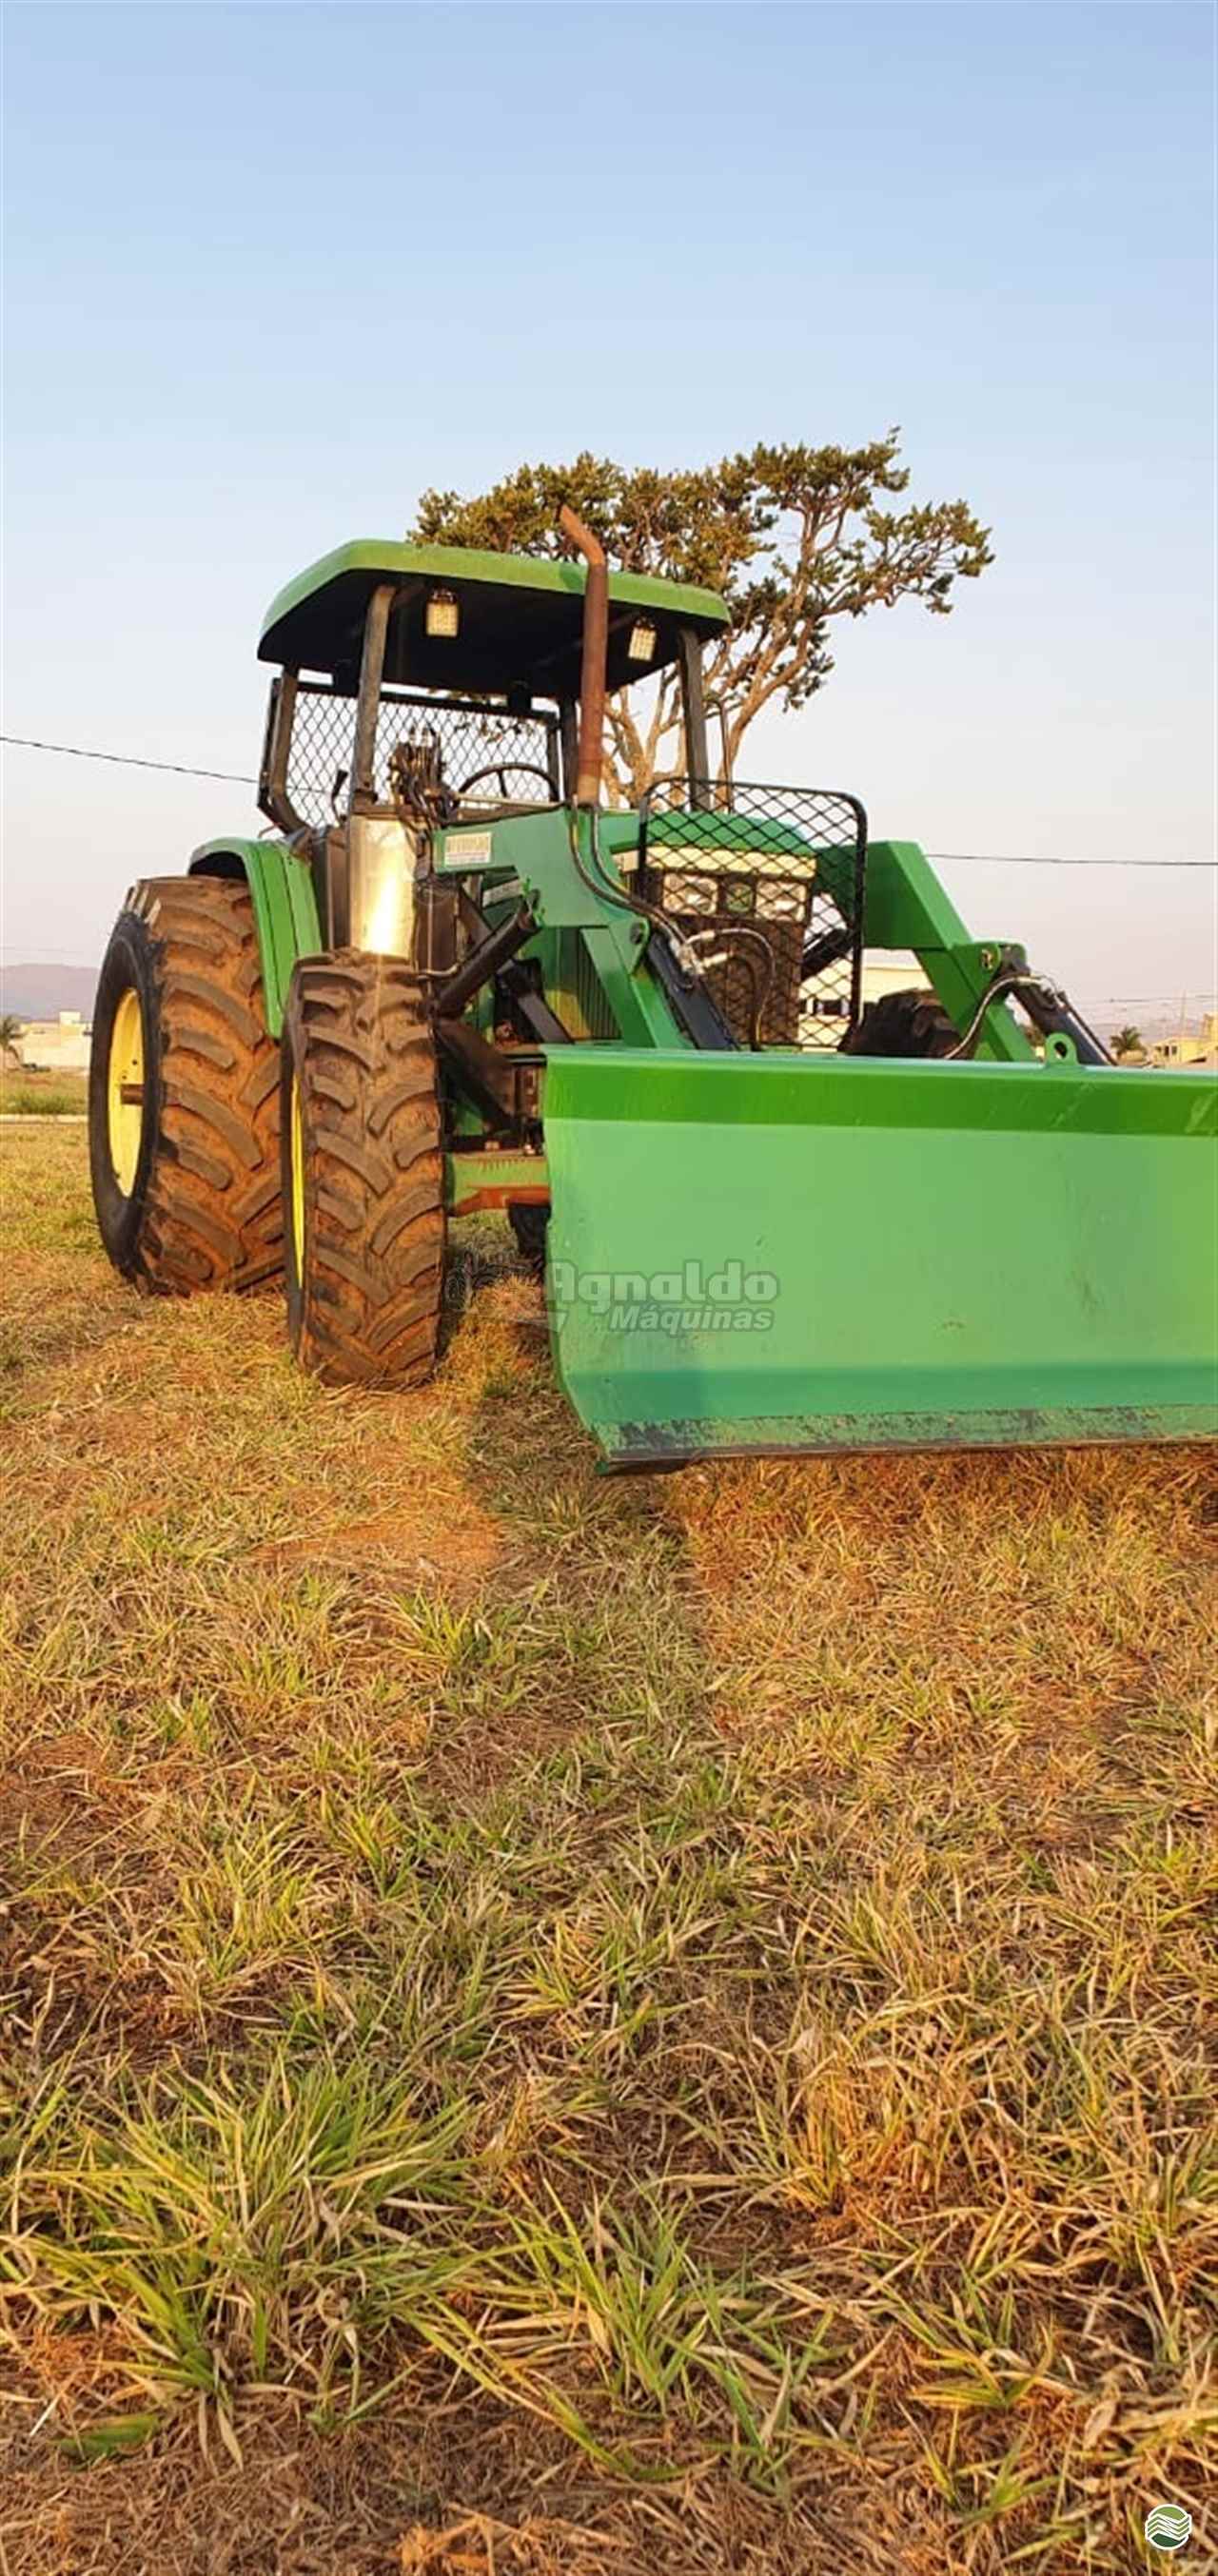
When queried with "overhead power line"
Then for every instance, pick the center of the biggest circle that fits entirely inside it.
(127, 759)
(242, 778)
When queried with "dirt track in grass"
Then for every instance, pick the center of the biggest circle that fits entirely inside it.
(555, 2025)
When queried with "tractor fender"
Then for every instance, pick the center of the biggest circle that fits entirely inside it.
(285, 908)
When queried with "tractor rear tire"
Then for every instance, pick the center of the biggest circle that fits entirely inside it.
(910, 1023)
(184, 1093)
(363, 1171)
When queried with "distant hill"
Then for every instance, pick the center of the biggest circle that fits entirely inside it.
(40, 992)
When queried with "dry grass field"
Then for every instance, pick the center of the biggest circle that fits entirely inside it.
(556, 2026)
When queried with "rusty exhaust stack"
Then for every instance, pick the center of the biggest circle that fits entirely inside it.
(592, 670)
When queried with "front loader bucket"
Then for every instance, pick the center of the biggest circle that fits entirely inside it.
(770, 1254)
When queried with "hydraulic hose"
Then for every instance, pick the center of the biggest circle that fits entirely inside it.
(1049, 1009)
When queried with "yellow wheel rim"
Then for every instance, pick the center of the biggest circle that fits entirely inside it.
(298, 1188)
(125, 1090)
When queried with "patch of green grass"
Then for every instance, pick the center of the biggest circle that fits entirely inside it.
(686, 2001)
(43, 1095)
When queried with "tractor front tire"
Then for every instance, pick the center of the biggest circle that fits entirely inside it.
(363, 1171)
(911, 1023)
(184, 1093)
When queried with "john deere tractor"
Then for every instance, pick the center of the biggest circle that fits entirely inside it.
(773, 1216)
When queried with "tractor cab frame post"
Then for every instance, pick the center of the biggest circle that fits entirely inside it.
(273, 798)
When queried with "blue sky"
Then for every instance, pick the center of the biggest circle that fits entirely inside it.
(272, 270)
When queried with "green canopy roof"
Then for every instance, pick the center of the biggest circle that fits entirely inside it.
(520, 619)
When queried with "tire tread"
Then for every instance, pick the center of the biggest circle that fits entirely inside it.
(368, 1310)
(214, 1213)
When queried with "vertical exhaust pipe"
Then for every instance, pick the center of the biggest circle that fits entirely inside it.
(591, 755)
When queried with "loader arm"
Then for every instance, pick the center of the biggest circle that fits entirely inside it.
(906, 907)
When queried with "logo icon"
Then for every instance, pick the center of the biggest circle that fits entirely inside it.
(1167, 2526)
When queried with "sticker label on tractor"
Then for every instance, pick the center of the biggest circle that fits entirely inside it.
(467, 849)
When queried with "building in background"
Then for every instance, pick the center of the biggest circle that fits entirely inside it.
(1196, 1047)
(60, 1045)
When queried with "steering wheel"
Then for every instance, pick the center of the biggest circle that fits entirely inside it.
(499, 769)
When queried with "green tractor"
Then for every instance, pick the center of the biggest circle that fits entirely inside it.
(773, 1217)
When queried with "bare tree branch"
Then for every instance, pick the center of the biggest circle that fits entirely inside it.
(791, 537)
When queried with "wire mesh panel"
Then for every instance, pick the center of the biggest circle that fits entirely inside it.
(517, 755)
(768, 881)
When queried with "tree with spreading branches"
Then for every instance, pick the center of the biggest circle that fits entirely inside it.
(1128, 1041)
(792, 537)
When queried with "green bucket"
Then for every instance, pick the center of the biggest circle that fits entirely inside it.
(774, 1254)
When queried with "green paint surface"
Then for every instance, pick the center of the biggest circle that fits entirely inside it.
(939, 1254)
(389, 560)
(285, 911)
